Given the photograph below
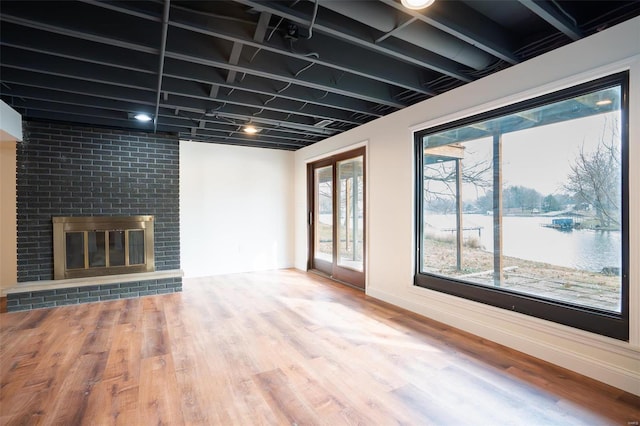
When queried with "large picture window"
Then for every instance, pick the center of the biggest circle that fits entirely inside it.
(525, 207)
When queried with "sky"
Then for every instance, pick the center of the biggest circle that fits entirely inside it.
(540, 157)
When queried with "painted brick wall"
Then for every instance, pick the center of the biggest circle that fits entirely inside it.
(66, 170)
(95, 293)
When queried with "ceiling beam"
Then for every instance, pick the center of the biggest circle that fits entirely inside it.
(265, 87)
(467, 25)
(16, 71)
(434, 62)
(396, 29)
(348, 59)
(87, 119)
(163, 48)
(188, 120)
(97, 115)
(51, 44)
(78, 34)
(237, 134)
(213, 92)
(65, 85)
(344, 58)
(262, 27)
(561, 22)
(24, 49)
(37, 93)
(51, 88)
(278, 71)
(117, 8)
(193, 92)
(133, 78)
(234, 57)
(224, 28)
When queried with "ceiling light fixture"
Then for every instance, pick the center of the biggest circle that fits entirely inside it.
(416, 4)
(323, 123)
(604, 102)
(250, 130)
(142, 117)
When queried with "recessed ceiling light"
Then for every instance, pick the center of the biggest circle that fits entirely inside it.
(142, 117)
(250, 130)
(604, 102)
(416, 4)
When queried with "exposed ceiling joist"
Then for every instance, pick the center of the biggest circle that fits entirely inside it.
(361, 39)
(467, 25)
(554, 16)
(233, 60)
(299, 70)
(163, 48)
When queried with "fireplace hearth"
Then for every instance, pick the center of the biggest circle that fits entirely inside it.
(102, 245)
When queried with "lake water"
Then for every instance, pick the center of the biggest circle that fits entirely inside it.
(526, 238)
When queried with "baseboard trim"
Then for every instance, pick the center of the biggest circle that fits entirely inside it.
(532, 341)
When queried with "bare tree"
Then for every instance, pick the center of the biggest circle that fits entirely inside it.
(595, 177)
(440, 180)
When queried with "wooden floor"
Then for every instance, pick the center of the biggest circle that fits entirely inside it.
(283, 348)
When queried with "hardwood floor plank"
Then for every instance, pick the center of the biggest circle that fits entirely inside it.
(182, 325)
(154, 329)
(98, 340)
(16, 359)
(72, 397)
(35, 358)
(157, 403)
(130, 311)
(272, 348)
(31, 319)
(113, 403)
(372, 400)
(24, 409)
(123, 364)
(247, 406)
(115, 399)
(284, 401)
(428, 412)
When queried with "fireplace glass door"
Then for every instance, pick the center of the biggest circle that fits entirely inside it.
(91, 246)
(75, 250)
(136, 247)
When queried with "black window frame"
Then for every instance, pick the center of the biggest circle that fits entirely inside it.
(606, 323)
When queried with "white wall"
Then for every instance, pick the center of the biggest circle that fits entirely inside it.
(10, 124)
(390, 183)
(10, 132)
(236, 209)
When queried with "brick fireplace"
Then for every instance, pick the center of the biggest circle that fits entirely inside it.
(66, 170)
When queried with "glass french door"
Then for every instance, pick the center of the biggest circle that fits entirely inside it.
(336, 217)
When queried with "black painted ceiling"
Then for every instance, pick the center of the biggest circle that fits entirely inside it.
(299, 71)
